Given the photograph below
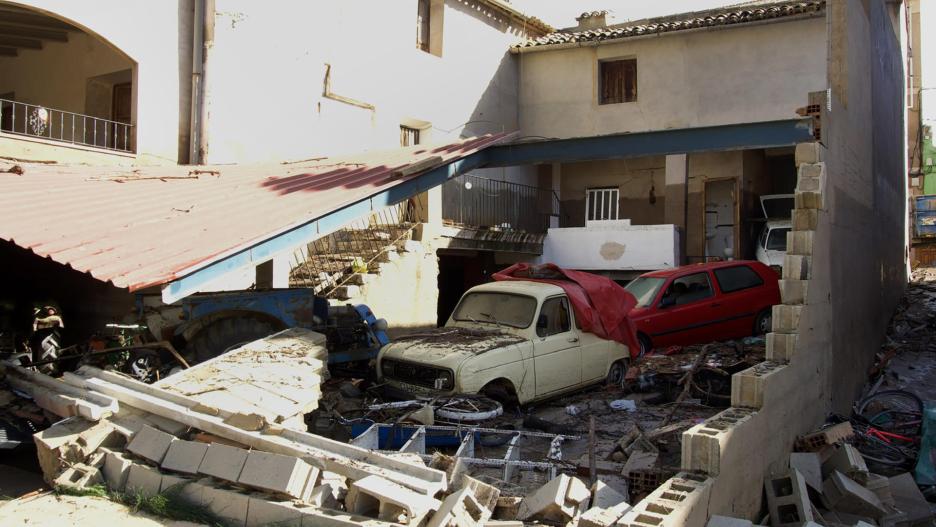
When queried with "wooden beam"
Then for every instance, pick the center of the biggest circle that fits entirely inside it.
(34, 19)
(20, 42)
(12, 30)
(8, 52)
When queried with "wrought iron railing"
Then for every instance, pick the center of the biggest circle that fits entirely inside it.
(482, 202)
(58, 125)
(336, 259)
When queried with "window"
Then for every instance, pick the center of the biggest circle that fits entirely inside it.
(645, 289)
(776, 239)
(422, 25)
(617, 81)
(409, 136)
(554, 317)
(733, 279)
(499, 309)
(687, 289)
(601, 204)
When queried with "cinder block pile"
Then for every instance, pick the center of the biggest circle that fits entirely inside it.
(828, 483)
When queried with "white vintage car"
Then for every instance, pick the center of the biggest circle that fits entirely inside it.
(512, 340)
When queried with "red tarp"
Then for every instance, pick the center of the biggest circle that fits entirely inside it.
(600, 305)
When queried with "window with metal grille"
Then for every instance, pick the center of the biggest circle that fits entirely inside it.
(601, 204)
(409, 136)
(422, 25)
(617, 81)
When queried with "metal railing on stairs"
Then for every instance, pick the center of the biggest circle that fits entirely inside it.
(31, 120)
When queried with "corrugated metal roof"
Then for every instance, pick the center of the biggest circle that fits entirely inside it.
(734, 15)
(146, 226)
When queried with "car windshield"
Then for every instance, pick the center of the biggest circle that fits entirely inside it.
(645, 289)
(776, 240)
(503, 309)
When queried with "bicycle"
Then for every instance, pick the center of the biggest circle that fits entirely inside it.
(888, 426)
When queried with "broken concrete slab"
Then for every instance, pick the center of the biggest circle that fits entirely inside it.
(809, 464)
(143, 480)
(116, 470)
(388, 501)
(223, 462)
(909, 499)
(725, 521)
(640, 460)
(486, 495)
(507, 508)
(151, 444)
(843, 494)
(184, 456)
(70, 441)
(788, 500)
(601, 517)
(880, 485)
(261, 511)
(604, 496)
(277, 473)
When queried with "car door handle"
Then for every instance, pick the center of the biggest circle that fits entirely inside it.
(573, 339)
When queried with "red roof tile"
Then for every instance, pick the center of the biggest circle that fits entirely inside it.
(140, 227)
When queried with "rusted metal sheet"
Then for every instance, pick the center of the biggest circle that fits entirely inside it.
(146, 226)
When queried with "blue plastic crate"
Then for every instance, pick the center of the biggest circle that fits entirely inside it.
(925, 203)
(925, 223)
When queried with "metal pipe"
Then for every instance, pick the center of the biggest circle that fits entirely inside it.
(202, 41)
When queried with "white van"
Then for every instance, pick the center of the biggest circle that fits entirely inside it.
(771, 246)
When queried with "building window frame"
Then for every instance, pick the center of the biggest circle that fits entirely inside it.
(602, 204)
(617, 81)
(429, 17)
(410, 136)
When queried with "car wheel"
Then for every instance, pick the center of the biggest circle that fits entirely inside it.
(646, 346)
(763, 323)
(616, 373)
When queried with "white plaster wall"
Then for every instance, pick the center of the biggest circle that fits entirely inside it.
(151, 34)
(616, 247)
(697, 78)
(267, 70)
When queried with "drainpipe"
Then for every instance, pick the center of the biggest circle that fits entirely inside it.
(202, 41)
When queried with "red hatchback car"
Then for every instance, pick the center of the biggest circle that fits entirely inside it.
(703, 303)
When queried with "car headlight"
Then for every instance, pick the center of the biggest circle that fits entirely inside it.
(444, 381)
(387, 368)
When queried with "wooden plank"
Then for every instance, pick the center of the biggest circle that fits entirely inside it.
(8, 52)
(21, 42)
(12, 30)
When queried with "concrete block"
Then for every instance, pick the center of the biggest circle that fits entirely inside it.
(79, 476)
(847, 460)
(388, 501)
(785, 319)
(486, 495)
(749, 387)
(116, 470)
(800, 242)
(880, 485)
(809, 464)
(843, 494)
(229, 505)
(261, 511)
(725, 521)
(817, 441)
(151, 444)
(459, 509)
(559, 500)
(602, 517)
(808, 153)
(185, 456)
(143, 480)
(173, 483)
(71, 441)
(223, 462)
(810, 171)
(805, 219)
(507, 508)
(793, 292)
(276, 473)
(788, 500)
(329, 518)
(327, 496)
(809, 184)
(702, 444)
(909, 499)
(604, 496)
(682, 500)
(796, 267)
(807, 200)
(781, 347)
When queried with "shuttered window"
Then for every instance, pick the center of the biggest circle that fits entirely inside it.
(618, 81)
(422, 25)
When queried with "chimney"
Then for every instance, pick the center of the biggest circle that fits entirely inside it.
(592, 20)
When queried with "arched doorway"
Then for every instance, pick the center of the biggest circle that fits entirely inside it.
(62, 84)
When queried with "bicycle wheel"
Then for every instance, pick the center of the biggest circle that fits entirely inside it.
(895, 411)
(873, 449)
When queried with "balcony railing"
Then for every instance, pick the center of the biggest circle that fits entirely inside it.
(58, 125)
(481, 202)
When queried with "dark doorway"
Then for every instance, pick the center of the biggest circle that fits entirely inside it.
(459, 271)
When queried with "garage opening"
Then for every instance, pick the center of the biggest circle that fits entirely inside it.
(459, 271)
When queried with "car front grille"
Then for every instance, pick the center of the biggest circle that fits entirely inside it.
(411, 373)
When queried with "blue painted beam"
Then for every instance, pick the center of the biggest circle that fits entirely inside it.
(681, 141)
(318, 227)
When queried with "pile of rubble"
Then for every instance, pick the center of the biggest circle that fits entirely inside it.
(192, 439)
(828, 483)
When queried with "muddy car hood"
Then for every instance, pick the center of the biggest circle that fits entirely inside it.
(447, 347)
